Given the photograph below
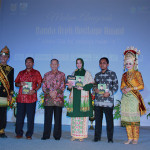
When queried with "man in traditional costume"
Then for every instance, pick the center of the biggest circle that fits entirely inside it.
(6, 88)
(132, 104)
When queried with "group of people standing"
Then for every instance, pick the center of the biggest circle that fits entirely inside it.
(80, 100)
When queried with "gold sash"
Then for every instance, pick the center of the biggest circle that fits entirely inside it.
(4, 80)
(137, 94)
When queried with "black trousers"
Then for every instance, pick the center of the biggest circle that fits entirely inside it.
(24, 109)
(3, 117)
(109, 121)
(48, 115)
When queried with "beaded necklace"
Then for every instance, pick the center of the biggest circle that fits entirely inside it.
(130, 75)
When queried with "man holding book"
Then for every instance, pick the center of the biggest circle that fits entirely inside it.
(28, 81)
(104, 101)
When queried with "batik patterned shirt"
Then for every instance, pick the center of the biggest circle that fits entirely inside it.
(33, 76)
(108, 78)
(54, 82)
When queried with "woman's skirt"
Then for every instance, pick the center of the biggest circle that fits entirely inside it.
(130, 114)
(79, 127)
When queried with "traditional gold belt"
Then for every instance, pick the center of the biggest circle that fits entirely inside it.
(3, 102)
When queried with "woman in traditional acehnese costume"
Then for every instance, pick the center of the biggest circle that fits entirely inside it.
(80, 103)
(132, 104)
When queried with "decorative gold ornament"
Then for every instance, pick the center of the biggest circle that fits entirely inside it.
(132, 54)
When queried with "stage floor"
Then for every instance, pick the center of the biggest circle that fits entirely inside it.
(11, 143)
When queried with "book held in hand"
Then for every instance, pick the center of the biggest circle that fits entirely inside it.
(102, 88)
(76, 81)
(71, 80)
(27, 87)
(79, 81)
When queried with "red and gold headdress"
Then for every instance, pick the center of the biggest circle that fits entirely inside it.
(131, 54)
(5, 51)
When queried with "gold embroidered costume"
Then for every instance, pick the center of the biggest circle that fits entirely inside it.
(6, 88)
(132, 104)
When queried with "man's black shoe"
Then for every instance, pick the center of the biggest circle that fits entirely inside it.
(96, 139)
(3, 135)
(43, 138)
(110, 141)
(57, 138)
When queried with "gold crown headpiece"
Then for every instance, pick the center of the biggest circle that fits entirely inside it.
(132, 54)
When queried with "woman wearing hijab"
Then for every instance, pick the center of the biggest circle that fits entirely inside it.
(132, 104)
(80, 103)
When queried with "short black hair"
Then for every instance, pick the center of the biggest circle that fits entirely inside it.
(55, 60)
(29, 58)
(107, 60)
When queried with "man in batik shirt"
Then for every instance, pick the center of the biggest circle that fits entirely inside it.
(53, 88)
(26, 101)
(104, 102)
(6, 88)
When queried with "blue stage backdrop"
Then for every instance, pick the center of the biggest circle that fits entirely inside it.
(68, 29)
